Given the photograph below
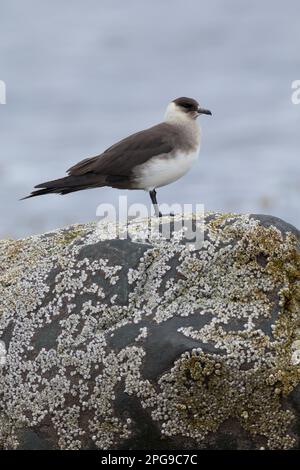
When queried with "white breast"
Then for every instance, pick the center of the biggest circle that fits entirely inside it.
(163, 170)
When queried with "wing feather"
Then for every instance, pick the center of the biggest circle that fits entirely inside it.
(122, 157)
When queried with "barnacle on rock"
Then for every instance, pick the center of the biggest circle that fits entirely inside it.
(96, 328)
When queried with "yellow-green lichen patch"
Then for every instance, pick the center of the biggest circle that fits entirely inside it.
(68, 236)
(202, 391)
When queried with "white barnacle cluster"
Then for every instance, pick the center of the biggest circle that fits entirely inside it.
(2, 353)
(143, 334)
(295, 359)
(78, 332)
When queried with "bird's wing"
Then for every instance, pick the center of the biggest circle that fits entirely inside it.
(122, 157)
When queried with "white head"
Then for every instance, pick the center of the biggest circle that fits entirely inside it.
(183, 110)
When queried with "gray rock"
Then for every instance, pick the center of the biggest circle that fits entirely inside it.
(149, 343)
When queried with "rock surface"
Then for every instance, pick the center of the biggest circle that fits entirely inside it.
(146, 343)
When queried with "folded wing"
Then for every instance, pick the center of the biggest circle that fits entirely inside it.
(114, 166)
(122, 157)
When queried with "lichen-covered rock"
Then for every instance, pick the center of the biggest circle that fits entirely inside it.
(148, 344)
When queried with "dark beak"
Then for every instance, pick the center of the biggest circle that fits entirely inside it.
(204, 111)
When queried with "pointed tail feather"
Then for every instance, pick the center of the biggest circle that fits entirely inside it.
(69, 184)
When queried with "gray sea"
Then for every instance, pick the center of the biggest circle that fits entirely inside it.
(81, 75)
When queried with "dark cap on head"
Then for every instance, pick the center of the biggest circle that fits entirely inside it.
(189, 105)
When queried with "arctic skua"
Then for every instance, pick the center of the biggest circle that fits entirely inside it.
(147, 160)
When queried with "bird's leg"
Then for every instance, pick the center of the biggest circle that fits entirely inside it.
(154, 202)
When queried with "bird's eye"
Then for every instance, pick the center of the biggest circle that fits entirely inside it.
(186, 105)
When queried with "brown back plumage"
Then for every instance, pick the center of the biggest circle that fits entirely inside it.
(122, 157)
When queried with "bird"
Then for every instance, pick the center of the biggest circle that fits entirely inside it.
(146, 160)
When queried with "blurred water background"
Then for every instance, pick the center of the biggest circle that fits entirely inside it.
(81, 75)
